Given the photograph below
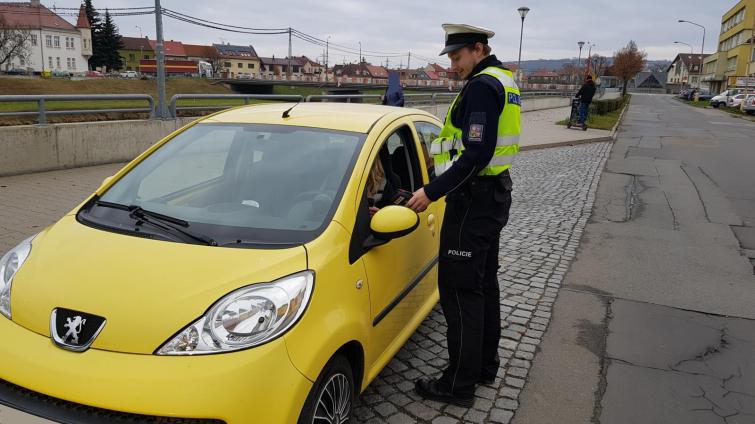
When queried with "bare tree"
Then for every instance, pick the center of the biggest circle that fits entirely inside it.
(14, 43)
(599, 64)
(627, 63)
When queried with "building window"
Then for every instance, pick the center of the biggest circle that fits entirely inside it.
(68, 63)
(56, 41)
(250, 66)
(49, 59)
(33, 39)
(21, 61)
(48, 40)
(73, 63)
(227, 64)
(731, 64)
(241, 65)
(146, 56)
(57, 61)
(132, 57)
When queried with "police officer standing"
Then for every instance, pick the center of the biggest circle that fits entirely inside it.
(472, 157)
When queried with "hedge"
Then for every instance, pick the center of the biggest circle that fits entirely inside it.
(602, 107)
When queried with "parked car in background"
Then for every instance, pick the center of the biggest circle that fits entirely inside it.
(704, 96)
(721, 99)
(129, 74)
(61, 73)
(16, 71)
(736, 101)
(749, 107)
(94, 74)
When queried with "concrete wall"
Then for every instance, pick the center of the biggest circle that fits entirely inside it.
(35, 148)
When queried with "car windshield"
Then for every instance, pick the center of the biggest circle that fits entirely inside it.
(240, 183)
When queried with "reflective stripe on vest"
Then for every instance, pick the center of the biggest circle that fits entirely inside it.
(508, 131)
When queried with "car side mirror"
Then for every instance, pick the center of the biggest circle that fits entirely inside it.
(389, 223)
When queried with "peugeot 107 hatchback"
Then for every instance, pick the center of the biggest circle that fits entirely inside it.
(232, 273)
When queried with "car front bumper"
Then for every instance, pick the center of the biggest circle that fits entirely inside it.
(250, 386)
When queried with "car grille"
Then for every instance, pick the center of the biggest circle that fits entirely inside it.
(73, 413)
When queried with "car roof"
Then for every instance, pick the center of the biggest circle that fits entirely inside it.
(352, 117)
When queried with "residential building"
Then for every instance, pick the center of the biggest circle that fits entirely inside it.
(174, 50)
(361, 73)
(684, 71)
(648, 82)
(543, 80)
(311, 70)
(201, 53)
(134, 50)
(734, 58)
(54, 43)
(238, 61)
(278, 68)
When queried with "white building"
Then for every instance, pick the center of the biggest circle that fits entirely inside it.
(55, 44)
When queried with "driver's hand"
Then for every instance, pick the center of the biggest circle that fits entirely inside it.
(419, 201)
(373, 210)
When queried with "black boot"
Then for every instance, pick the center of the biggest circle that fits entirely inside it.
(430, 389)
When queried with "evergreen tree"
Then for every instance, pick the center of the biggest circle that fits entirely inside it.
(95, 24)
(110, 43)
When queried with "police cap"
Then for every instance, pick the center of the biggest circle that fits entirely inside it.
(462, 35)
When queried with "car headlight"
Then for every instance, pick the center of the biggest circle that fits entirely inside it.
(247, 317)
(9, 266)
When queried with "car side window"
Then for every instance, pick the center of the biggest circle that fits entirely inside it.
(427, 132)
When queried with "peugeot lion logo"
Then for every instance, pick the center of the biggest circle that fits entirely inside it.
(74, 330)
(74, 327)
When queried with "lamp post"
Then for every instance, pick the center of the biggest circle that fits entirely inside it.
(523, 13)
(579, 59)
(691, 50)
(702, 54)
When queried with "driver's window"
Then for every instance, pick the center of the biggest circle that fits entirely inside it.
(394, 170)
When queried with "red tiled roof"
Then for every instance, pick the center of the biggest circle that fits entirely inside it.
(432, 75)
(193, 50)
(136, 43)
(437, 68)
(377, 71)
(82, 21)
(24, 15)
(172, 48)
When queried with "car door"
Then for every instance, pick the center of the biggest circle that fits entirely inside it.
(402, 274)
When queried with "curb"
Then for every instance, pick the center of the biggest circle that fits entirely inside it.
(565, 143)
(610, 137)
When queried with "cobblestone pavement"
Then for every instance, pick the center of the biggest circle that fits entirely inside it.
(553, 196)
(554, 191)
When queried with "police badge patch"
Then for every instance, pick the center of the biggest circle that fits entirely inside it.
(475, 132)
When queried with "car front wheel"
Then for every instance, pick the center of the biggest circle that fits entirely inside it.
(331, 399)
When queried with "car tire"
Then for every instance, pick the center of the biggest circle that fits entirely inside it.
(331, 399)
(715, 105)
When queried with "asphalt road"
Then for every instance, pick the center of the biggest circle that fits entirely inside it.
(655, 322)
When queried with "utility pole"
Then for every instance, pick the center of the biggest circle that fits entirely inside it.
(327, 56)
(288, 72)
(409, 61)
(160, 61)
(360, 52)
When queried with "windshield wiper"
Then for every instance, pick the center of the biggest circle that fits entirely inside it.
(164, 222)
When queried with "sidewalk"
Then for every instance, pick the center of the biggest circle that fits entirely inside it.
(539, 130)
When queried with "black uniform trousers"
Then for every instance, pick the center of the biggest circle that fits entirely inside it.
(468, 280)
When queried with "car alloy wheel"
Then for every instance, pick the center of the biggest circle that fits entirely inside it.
(334, 401)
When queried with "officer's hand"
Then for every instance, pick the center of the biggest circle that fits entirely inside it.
(419, 201)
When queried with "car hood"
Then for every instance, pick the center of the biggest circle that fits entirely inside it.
(147, 290)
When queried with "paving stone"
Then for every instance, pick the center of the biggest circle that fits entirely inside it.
(501, 416)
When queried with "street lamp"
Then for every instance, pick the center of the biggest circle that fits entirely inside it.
(522, 12)
(140, 31)
(702, 51)
(579, 59)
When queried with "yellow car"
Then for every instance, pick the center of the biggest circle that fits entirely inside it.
(233, 273)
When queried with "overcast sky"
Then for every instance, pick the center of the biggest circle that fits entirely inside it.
(551, 29)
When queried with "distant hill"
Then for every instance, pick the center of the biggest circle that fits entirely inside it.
(555, 64)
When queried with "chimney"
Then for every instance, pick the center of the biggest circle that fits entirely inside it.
(35, 3)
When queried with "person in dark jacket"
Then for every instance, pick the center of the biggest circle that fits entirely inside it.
(585, 95)
(394, 95)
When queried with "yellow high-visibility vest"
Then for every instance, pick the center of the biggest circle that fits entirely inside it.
(509, 129)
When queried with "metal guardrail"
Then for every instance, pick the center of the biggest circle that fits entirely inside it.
(347, 97)
(42, 100)
(174, 108)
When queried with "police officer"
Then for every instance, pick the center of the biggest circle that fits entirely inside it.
(472, 159)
